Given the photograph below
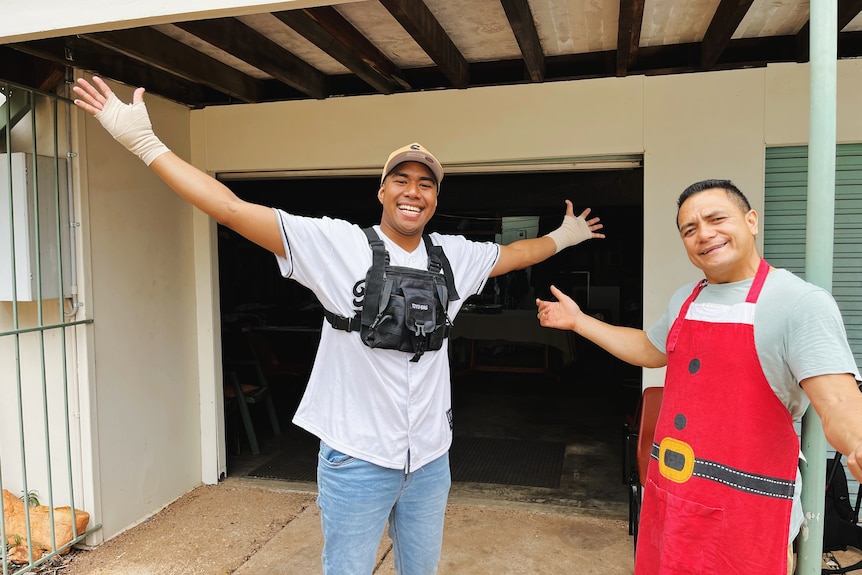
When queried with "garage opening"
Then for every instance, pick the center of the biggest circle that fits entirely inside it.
(533, 419)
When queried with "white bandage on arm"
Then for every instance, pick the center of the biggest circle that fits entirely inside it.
(130, 125)
(571, 232)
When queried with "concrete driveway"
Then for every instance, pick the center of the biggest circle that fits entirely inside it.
(246, 527)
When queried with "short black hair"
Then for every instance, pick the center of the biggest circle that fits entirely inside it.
(733, 194)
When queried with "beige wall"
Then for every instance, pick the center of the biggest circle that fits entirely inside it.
(697, 127)
(787, 95)
(499, 123)
(145, 393)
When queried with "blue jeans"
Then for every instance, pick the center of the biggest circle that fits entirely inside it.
(356, 498)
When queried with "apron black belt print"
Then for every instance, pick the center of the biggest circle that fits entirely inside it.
(676, 461)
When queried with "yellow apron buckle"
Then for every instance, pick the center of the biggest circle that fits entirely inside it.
(675, 460)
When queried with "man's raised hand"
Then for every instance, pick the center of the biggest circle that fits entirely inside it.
(129, 124)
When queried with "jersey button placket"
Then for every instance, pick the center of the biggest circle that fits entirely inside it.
(412, 368)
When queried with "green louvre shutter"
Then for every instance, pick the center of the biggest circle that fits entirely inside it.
(784, 231)
(784, 225)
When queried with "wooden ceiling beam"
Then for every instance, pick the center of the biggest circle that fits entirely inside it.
(16, 103)
(724, 23)
(847, 11)
(77, 52)
(29, 70)
(255, 49)
(309, 28)
(344, 32)
(524, 27)
(415, 17)
(163, 52)
(629, 34)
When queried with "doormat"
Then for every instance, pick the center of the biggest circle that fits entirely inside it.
(299, 463)
(471, 459)
(507, 461)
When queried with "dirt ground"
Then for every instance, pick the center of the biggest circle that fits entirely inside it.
(238, 527)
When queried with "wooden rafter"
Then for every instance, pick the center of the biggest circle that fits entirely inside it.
(342, 30)
(191, 72)
(629, 34)
(252, 47)
(163, 52)
(847, 11)
(724, 23)
(415, 17)
(524, 27)
(73, 51)
(29, 70)
(308, 27)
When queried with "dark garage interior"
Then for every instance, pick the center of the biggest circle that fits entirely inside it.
(531, 420)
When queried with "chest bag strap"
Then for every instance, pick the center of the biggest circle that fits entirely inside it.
(375, 299)
(375, 295)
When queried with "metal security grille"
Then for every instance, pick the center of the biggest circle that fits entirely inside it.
(784, 230)
(38, 463)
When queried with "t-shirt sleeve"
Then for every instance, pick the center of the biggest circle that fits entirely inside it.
(310, 246)
(657, 333)
(816, 339)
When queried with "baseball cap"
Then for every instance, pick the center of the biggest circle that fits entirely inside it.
(413, 153)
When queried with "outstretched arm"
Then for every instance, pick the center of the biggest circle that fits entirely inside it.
(838, 402)
(130, 125)
(628, 344)
(524, 253)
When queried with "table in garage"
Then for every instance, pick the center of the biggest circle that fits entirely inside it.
(512, 326)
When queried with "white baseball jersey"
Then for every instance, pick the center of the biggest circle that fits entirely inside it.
(374, 404)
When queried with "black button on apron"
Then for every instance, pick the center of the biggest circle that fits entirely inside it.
(694, 366)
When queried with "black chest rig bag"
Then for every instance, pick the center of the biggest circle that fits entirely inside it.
(403, 308)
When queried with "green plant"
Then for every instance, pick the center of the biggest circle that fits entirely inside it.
(31, 498)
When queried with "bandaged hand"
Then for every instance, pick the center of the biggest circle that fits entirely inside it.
(130, 125)
(575, 230)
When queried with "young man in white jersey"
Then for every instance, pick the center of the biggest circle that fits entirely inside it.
(383, 415)
(746, 350)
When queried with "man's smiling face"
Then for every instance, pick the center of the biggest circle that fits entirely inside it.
(409, 197)
(719, 236)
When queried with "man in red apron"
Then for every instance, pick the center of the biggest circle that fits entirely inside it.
(711, 473)
(721, 483)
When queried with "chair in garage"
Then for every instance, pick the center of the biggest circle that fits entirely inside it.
(841, 529)
(245, 385)
(272, 363)
(638, 439)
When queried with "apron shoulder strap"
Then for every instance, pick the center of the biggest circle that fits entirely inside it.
(673, 335)
(759, 280)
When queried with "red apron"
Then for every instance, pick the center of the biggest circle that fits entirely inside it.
(721, 478)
